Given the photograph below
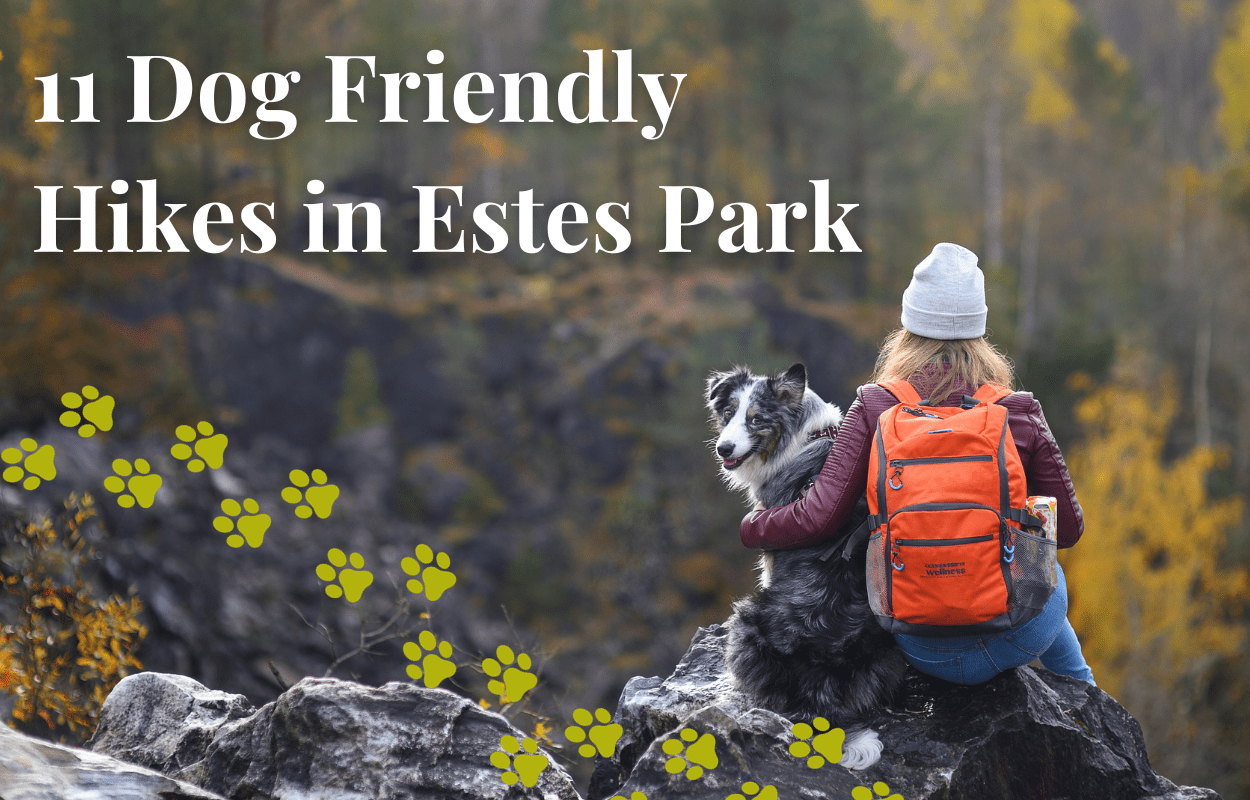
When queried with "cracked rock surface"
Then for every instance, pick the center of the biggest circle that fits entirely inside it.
(1024, 734)
(34, 769)
(322, 738)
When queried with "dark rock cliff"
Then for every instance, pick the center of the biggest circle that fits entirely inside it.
(527, 432)
(1025, 735)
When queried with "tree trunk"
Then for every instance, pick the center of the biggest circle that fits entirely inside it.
(994, 181)
(1241, 459)
(1202, 373)
(858, 173)
(625, 135)
(269, 25)
(779, 130)
(1030, 245)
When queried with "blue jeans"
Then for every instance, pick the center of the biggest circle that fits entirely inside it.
(975, 659)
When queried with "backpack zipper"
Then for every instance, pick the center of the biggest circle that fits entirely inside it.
(899, 463)
(942, 542)
(896, 544)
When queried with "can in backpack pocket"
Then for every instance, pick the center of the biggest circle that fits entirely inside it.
(1035, 571)
(1047, 508)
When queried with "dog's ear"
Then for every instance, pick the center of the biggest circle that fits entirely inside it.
(717, 383)
(791, 384)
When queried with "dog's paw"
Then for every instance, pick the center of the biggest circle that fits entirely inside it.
(862, 750)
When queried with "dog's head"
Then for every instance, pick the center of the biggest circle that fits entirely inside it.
(752, 413)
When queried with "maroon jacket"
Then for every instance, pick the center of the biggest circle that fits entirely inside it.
(826, 505)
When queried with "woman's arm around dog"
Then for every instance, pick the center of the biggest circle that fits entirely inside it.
(820, 513)
(839, 484)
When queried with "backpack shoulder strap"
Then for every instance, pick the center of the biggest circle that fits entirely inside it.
(903, 391)
(991, 393)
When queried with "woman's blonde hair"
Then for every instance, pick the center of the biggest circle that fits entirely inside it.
(908, 356)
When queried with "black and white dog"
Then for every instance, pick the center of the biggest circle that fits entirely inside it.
(805, 643)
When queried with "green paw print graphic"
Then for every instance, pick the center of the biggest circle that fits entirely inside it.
(352, 581)
(520, 767)
(753, 791)
(434, 656)
(140, 485)
(431, 569)
(603, 737)
(320, 498)
(37, 463)
(252, 525)
(516, 680)
(632, 796)
(98, 413)
(700, 754)
(209, 449)
(881, 790)
(827, 746)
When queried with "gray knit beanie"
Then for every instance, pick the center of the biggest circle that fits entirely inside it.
(946, 297)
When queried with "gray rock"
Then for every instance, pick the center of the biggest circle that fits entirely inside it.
(322, 738)
(177, 717)
(1024, 734)
(32, 769)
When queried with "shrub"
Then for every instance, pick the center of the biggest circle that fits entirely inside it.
(63, 646)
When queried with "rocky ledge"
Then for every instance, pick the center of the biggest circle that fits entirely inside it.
(32, 769)
(323, 738)
(1025, 734)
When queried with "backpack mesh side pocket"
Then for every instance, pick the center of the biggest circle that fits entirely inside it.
(1033, 570)
(877, 574)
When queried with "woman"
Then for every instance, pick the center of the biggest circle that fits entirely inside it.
(941, 351)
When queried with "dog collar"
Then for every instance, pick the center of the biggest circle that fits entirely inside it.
(824, 433)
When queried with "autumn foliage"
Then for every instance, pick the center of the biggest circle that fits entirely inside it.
(63, 645)
(1151, 595)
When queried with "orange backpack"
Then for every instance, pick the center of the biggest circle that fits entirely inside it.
(952, 551)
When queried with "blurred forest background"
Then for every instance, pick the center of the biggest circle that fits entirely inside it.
(539, 417)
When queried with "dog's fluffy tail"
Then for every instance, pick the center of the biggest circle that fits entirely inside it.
(861, 749)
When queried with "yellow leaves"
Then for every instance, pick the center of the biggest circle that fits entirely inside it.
(709, 73)
(1040, 31)
(65, 648)
(1147, 591)
(38, 31)
(1111, 55)
(542, 732)
(1231, 72)
(49, 601)
(934, 36)
(1047, 103)
(588, 40)
(477, 148)
(1039, 39)
(1191, 11)
(958, 47)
